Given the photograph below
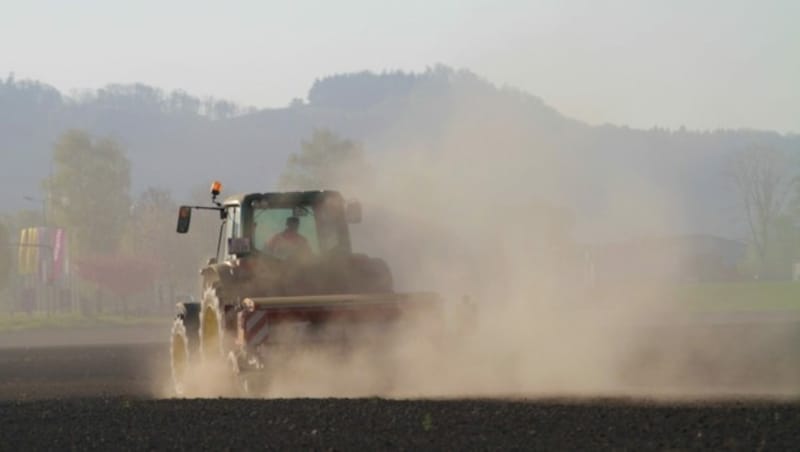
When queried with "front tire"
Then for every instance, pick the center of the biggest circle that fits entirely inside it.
(184, 340)
(211, 328)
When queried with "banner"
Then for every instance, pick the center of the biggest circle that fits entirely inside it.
(22, 256)
(43, 252)
(29, 251)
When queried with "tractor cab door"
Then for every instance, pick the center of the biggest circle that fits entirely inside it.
(233, 243)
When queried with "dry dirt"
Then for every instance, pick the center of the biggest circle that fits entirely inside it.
(102, 398)
(376, 424)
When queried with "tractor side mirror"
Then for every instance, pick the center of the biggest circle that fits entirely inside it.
(353, 212)
(184, 219)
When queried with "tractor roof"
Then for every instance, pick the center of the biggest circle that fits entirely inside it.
(284, 197)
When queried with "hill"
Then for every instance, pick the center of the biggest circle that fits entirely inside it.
(175, 141)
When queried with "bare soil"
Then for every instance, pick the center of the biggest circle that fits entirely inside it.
(103, 398)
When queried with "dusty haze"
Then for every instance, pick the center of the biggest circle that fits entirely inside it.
(460, 220)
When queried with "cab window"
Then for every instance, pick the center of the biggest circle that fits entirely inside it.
(270, 222)
(232, 228)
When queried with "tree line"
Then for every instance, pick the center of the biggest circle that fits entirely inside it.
(767, 183)
(21, 96)
(121, 245)
(124, 243)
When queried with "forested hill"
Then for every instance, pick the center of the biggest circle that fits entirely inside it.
(178, 141)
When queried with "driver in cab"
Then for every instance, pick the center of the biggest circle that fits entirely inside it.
(289, 242)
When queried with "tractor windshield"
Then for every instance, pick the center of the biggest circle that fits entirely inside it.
(316, 228)
(272, 226)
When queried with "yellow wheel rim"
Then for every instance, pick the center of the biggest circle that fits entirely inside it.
(179, 358)
(209, 334)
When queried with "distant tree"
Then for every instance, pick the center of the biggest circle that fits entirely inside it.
(151, 225)
(89, 191)
(220, 109)
(26, 97)
(325, 161)
(183, 103)
(763, 182)
(135, 97)
(360, 90)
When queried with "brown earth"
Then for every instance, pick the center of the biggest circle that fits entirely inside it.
(82, 336)
(377, 424)
(102, 398)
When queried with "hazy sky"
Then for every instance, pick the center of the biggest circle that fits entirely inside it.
(702, 64)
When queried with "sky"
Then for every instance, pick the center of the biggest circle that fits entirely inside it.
(701, 64)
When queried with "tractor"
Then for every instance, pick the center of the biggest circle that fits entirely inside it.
(284, 259)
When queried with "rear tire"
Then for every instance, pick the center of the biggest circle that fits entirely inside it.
(211, 329)
(217, 346)
(183, 345)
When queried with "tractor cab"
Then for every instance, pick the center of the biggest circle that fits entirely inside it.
(272, 224)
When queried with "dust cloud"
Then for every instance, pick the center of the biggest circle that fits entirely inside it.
(474, 218)
(484, 220)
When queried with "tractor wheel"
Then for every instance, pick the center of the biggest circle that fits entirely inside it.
(183, 345)
(215, 344)
(211, 329)
(179, 357)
